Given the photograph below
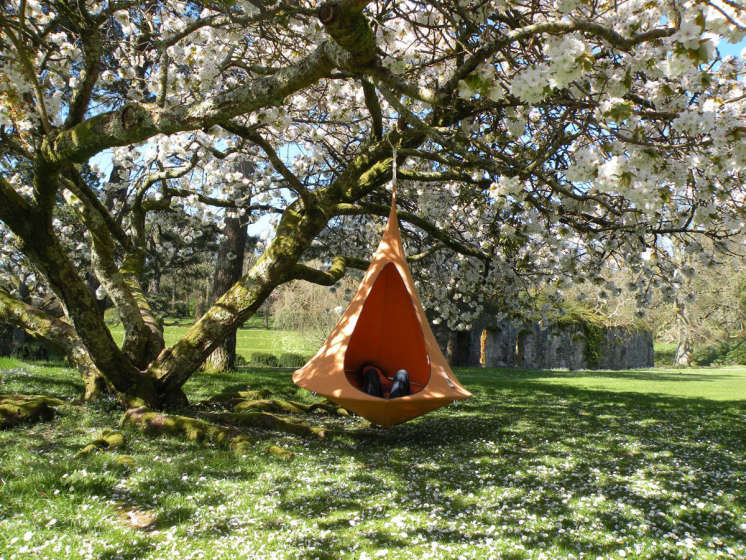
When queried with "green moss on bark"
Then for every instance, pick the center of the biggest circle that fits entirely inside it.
(266, 421)
(22, 409)
(350, 29)
(107, 440)
(194, 429)
(260, 401)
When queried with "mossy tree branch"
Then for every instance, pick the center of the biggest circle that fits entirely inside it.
(103, 255)
(195, 429)
(45, 251)
(136, 122)
(374, 108)
(92, 51)
(321, 277)
(19, 409)
(346, 24)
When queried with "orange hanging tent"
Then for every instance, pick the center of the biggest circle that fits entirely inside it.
(385, 325)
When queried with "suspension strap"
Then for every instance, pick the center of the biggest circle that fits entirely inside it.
(393, 173)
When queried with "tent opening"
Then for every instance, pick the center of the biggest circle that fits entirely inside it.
(388, 334)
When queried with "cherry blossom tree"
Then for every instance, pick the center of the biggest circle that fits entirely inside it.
(533, 140)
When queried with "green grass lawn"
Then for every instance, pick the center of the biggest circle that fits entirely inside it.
(250, 338)
(541, 465)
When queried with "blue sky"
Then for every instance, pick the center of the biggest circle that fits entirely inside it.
(732, 49)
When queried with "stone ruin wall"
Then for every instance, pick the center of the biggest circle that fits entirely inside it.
(531, 346)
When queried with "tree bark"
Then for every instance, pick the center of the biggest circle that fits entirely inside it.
(683, 357)
(228, 271)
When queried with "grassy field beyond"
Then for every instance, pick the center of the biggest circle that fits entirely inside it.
(538, 465)
(250, 338)
(721, 384)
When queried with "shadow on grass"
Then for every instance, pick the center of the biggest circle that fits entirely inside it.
(130, 552)
(586, 468)
(539, 464)
(49, 386)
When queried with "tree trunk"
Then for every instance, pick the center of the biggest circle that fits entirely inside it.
(683, 357)
(154, 287)
(227, 272)
(19, 336)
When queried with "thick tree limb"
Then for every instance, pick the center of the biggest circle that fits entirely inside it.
(91, 200)
(399, 84)
(434, 176)
(136, 333)
(91, 61)
(346, 24)
(374, 108)
(45, 251)
(322, 277)
(15, 211)
(137, 122)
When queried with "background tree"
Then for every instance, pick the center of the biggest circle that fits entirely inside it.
(228, 271)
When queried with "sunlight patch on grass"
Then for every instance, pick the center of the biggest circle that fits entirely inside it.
(721, 384)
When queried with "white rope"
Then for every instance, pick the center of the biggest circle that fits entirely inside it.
(393, 170)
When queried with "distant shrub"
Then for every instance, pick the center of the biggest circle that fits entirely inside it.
(311, 309)
(708, 355)
(731, 352)
(291, 360)
(737, 352)
(664, 356)
(264, 359)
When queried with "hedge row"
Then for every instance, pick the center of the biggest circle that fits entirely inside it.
(268, 359)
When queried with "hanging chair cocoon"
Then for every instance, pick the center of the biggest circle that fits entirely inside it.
(385, 325)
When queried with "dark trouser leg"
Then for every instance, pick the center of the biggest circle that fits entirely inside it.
(401, 384)
(371, 383)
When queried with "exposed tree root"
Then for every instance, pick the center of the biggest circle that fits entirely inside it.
(280, 452)
(17, 409)
(240, 401)
(198, 430)
(193, 429)
(267, 421)
(230, 398)
(108, 439)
